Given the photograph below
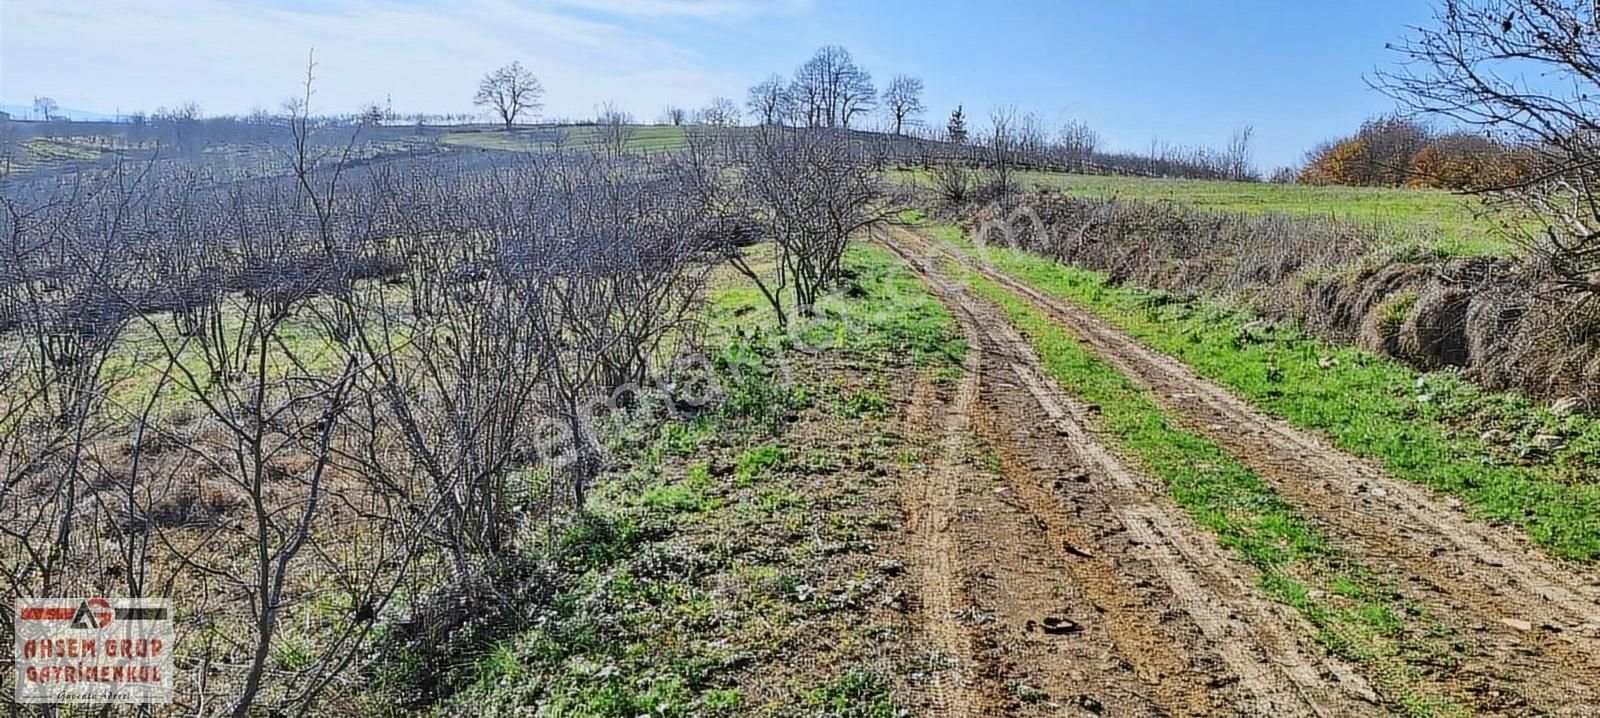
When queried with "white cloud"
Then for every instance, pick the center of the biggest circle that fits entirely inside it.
(699, 9)
(232, 56)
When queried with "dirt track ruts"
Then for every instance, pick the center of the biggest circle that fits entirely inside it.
(1483, 579)
(1162, 621)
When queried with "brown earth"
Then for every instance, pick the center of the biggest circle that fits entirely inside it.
(1178, 625)
(1059, 581)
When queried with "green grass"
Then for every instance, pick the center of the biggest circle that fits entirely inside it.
(705, 580)
(642, 138)
(1433, 220)
(1355, 613)
(1425, 428)
(901, 319)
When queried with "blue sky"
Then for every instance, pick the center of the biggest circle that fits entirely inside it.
(1184, 72)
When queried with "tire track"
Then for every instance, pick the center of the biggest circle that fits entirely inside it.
(932, 503)
(1258, 664)
(1533, 621)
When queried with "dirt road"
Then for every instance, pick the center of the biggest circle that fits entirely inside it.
(1155, 616)
(1060, 581)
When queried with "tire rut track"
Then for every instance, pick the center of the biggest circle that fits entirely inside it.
(933, 503)
(1248, 655)
(1481, 578)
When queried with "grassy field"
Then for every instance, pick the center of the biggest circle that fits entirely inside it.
(1427, 428)
(1453, 223)
(1432, 219)
(642, 138)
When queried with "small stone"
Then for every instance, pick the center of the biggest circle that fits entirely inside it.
(1057, 626)
(1566, 405)
(1517, 623)
(1548, 442)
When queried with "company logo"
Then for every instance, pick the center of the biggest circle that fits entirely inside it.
(93, 650)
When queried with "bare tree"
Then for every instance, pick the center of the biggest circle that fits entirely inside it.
(674, 115)
(1004, 148)
(903, 98)
(831, 89)
(1238, 158)
(1470, 66)
(1079, 142)
(810, 193)
(45, 108)
(953, 181)
(722, 112)
(510, 92)
(768, 101)
(614, 129)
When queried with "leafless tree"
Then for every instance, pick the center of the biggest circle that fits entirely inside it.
(1472, 65)
(675, 116)
(1387, 145)
(510, 92)
(768, 101)
(1079, 142)
(831, 90)
(1003, 146)
(614, 129)
(44, 108)
(953, 180)
(810, 193)
(903, 98)
(1238, 157)
(722, 112)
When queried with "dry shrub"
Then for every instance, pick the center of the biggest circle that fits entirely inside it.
(1379, 329)
(1337, 307)
(1552, 350)
(1434, 333)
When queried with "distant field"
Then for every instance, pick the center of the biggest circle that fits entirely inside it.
(1432, 220)
(40, 152)
(1451, 223)
(643, 138)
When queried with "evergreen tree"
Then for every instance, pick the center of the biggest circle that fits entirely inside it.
(957, 129)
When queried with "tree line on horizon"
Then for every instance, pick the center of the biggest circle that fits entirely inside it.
(1395, 151)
